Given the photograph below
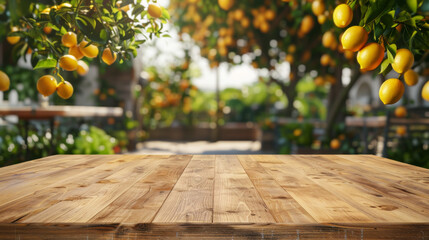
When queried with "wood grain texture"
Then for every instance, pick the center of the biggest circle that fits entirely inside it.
(235, 197)
(214, 197)
(191, 200)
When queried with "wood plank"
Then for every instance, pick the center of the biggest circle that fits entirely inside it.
(81, 204)
(282, 205)
(27, 166)
(188, 231)
(235, 197)
(40, 200)
(19, 185)
(402, 171)
(322, 205)
(372, 203)
(383, 182)
(191, 200)
(142, 201)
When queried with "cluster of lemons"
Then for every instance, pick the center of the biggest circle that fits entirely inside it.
(47, 84)
(370, 56)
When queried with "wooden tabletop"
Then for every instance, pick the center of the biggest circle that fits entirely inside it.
(208, 197)
(27, 112)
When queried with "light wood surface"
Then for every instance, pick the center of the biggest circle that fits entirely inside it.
(214, 197)
(26, 112)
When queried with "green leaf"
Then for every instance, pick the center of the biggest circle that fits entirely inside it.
(384, 66)
(165, 14)
(377, 9)
(391, 52)
(412, 39)
(46, 63)
(412, 5)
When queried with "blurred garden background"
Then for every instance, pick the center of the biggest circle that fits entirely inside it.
(223, 76)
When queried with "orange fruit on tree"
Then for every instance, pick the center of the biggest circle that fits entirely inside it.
(335, 144)
(343, 15)
(349, 54)
(47, 30)
(291, 48)
(46, 85)
(322, 19)
(319, 81)
(65, 90)
(75, 51)
(425, 91)
(270, 14)
(4, 81)
(226, 4)
(370, 56)
(289, 58)
(328, 39)
(391, 91)
(401, 131)
(307, 24)
(411, 77)
(69, 39)
(403, 61)
(325, 59)
(354, 38)
(82, 68)
(13, 39)
(154, 10)
(108, 57)
(297, 132)
(318, 7)
(90, 51)
(400, 112)
(68, 62)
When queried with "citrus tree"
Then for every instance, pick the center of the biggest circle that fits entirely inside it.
(66, 35)
(310, 35)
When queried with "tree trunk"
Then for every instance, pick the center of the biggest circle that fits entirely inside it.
(338, 104)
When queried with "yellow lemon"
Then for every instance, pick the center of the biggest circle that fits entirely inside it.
(343, 15)
(307, 24)
(13, 39)
(401, 131)
(319, 81)
(297, 132)
(425, 91)
(82, 68)
(108, 57)
(322, 19)
(68, 62)
(226, 4)
(391, 91)
(69, 39)
(154, 10)
(46, 85)
(75, 51)
(335, 144)
(370, 56)
(4, 81)
(354, 38)
(411, 78)
(403, 61)
(65, 90)
(90, 51)
(328, 39)
(325, 60)
(400, 112)
(318, 7)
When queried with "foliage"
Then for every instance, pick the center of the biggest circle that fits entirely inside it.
(93, 141)
(413, 151)
(295, 134)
